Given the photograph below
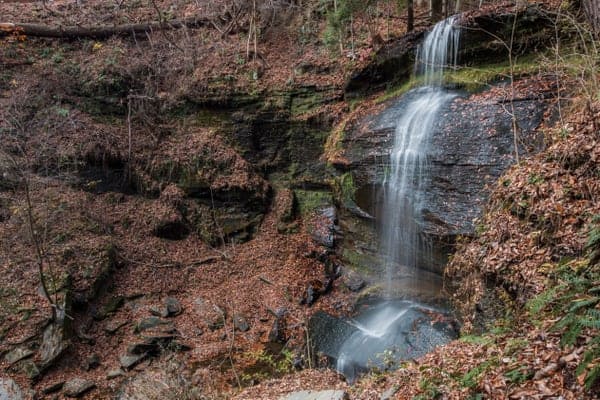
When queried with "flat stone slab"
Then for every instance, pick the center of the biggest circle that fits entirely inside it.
(9, 390)
(316, 395)
(78, 387)
(18, 354)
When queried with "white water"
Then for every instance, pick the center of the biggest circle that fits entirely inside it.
(387, 325)
(401, 243)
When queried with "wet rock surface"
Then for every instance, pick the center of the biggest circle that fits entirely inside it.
(386, 333)
(471, 146)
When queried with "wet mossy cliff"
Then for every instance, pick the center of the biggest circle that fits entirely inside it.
(473, 140)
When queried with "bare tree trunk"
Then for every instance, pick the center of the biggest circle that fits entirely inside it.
(435, 10)
(96, 32)
(410, 18)
(592, 10)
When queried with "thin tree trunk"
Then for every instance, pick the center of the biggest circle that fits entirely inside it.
(435, 10)
(410, 18)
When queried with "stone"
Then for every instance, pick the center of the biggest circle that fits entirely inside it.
(55, 339)
(114, 373)
(129, 361)
(353, 281)
(9, 390)
(92, 362)
(151, 345)
(111, 307)
(173, 307)
(77, 387)
(150, 322)
(240, 323)
(328, 333)
(316, 395)
(29, 368)
(55, 387)
(211, 314)
(18, 354)
(112, 327)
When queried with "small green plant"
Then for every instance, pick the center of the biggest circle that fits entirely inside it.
(265, 365)
(471, 378)
(429, 390)
(518, 375)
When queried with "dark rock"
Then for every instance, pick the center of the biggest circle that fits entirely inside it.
(55, 387)
(9, 390)
(92, 362)
(277, 332)
(30, 369)
(328, 334)
(151, 322)
(392, 65)
(173, 307)
(172, 229)
(112, 327)
(128, 361)
(18, 354)
(465, 154)
(77, 387)
(152, 345)
(353, 281)
(240, 323)
(112, 306)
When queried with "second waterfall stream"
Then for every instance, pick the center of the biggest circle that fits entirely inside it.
(386, 332)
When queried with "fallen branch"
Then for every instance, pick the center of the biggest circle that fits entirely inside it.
(97, 32)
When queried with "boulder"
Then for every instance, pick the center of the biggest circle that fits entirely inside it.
(77, 387)
(240, 323)
(172, 307)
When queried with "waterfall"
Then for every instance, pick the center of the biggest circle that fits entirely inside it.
(402, 246)
(395, 328)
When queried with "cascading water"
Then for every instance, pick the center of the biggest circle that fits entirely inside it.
(389, 328)
(402, 245)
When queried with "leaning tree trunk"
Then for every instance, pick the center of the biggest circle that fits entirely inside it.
(95, 32)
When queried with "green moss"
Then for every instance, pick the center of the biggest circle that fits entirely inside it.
(344, 190)
(398, 91)
(476, 78)
(311, 200)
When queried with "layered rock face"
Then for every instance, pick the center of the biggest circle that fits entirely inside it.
(471, 146)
